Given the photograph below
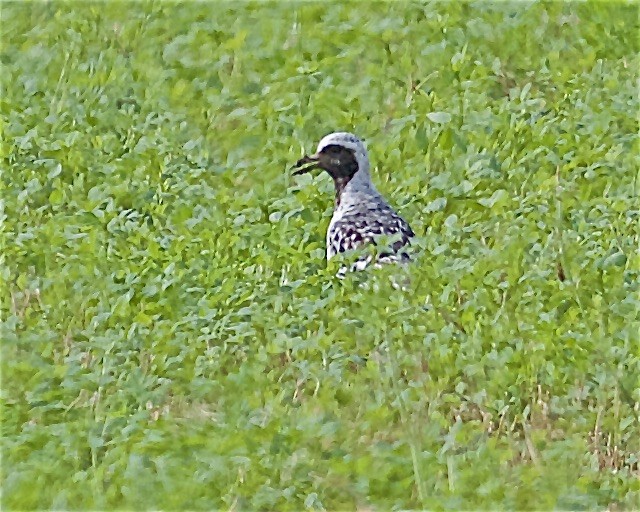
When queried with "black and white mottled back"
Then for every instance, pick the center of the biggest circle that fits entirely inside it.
(361, 215)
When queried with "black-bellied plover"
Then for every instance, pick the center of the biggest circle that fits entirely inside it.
(361, 215)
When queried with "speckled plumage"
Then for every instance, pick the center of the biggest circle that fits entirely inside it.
(361, 214)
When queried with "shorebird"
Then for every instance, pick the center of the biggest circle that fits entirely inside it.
(361, 215)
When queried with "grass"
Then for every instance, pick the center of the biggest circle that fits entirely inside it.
(172, 337)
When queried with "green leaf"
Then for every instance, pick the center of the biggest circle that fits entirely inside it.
(439, 117)
(436, 205)
(617, 259)
(56, 196)
(499, 196)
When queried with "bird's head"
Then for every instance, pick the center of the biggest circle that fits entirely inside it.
(341, 154)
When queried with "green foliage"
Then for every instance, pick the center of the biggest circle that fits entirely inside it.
(171, 334)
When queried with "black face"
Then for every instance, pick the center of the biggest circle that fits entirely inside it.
(338, 161)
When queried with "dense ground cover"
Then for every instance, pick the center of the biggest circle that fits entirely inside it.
(172, 336)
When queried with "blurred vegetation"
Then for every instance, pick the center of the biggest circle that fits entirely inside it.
(172, 336)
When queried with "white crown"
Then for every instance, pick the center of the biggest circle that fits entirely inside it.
(344, 139)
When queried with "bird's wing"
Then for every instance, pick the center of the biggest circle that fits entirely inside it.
(362, 227)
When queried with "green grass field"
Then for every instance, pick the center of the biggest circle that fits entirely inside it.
(172, 336)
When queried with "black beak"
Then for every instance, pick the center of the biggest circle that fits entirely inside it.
(305, 164)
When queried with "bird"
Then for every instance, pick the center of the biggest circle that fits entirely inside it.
(361, 215)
